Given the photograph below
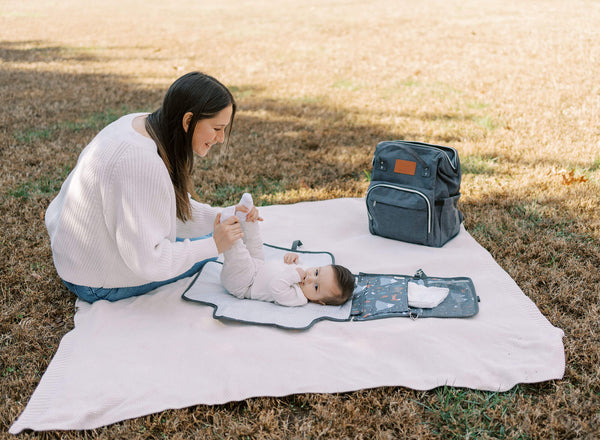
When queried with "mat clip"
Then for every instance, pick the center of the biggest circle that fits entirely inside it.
(419, 274)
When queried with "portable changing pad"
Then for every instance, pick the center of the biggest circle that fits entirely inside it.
(207, 289)
(379, 296)
(376, 296)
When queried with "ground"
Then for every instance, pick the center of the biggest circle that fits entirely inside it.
(511, 85)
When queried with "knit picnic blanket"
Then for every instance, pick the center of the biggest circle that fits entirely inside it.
(154, 352)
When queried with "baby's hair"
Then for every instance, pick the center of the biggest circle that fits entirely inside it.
(345, 281)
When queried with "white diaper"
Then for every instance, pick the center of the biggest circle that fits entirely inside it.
(424, 297)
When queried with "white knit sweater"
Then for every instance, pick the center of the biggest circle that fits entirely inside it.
(114, 224)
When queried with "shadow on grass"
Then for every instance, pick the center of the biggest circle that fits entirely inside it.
(297, 143)
(39, 51)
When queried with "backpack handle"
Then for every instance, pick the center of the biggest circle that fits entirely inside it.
(382, 166)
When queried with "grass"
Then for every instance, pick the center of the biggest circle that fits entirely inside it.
(46, 186)
(471, 414)
(512, 86)
(595, 166)
(478, 164)
(94, 122)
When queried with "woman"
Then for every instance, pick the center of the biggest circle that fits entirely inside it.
(123, 222)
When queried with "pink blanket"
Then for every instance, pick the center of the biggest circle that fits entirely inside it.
(147, 354)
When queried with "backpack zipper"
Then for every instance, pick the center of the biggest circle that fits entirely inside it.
(399, 188)
(448, 157)
(422, 144)
(437, 147)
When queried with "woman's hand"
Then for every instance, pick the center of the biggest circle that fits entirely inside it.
(252, 214)
(290, 258)
(226, 233)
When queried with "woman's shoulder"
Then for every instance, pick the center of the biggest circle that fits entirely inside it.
(124, 129)
(118, 148)
(120, 136)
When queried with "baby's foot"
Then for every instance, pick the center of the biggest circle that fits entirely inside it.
(227, 212)
(246, 201)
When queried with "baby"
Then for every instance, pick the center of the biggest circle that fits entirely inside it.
(246, 274)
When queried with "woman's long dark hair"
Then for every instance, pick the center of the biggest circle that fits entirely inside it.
(204, 97)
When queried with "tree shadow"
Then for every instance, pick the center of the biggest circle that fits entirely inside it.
(296, 144)
(34, 51)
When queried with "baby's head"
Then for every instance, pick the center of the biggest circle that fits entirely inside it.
(328, 285)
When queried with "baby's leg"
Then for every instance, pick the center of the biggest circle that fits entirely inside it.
(253, 239)
(239, 270)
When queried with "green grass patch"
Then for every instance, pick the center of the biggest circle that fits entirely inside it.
(469, 414)
(97, 121)
(244, 92)
(222, 195)
(528, 214)
(478, 164)
(43, 187)
(230, 194)
(411, 82)
(93, 122)
(346, 84)
(34, 134)
(487, 122)
(595, 165)
(477, 105)
(265, 186)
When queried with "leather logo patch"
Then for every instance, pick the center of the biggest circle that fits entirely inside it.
(405, 167)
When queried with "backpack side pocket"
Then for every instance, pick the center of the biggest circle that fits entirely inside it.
(447, 220)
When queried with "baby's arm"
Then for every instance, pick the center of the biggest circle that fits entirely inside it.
(291, 258)
(285, 289)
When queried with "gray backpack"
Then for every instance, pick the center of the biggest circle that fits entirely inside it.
(414, 192)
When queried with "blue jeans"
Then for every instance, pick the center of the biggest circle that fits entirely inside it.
(92, 294)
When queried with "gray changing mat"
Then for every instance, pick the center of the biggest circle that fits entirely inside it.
(376, 296)
(206, 288)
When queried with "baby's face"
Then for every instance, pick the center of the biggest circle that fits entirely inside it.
(319, 283)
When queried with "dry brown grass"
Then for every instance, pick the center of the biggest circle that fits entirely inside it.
(512, 85)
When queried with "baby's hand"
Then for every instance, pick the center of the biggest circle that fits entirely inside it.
(301, 272)
(290, 258)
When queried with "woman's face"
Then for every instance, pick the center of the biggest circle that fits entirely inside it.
(208, 132)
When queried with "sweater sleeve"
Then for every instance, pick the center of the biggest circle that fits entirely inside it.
(286, 290)
(201, 223)
(140, 211)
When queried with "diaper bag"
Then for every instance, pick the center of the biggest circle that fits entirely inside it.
(414, 192)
